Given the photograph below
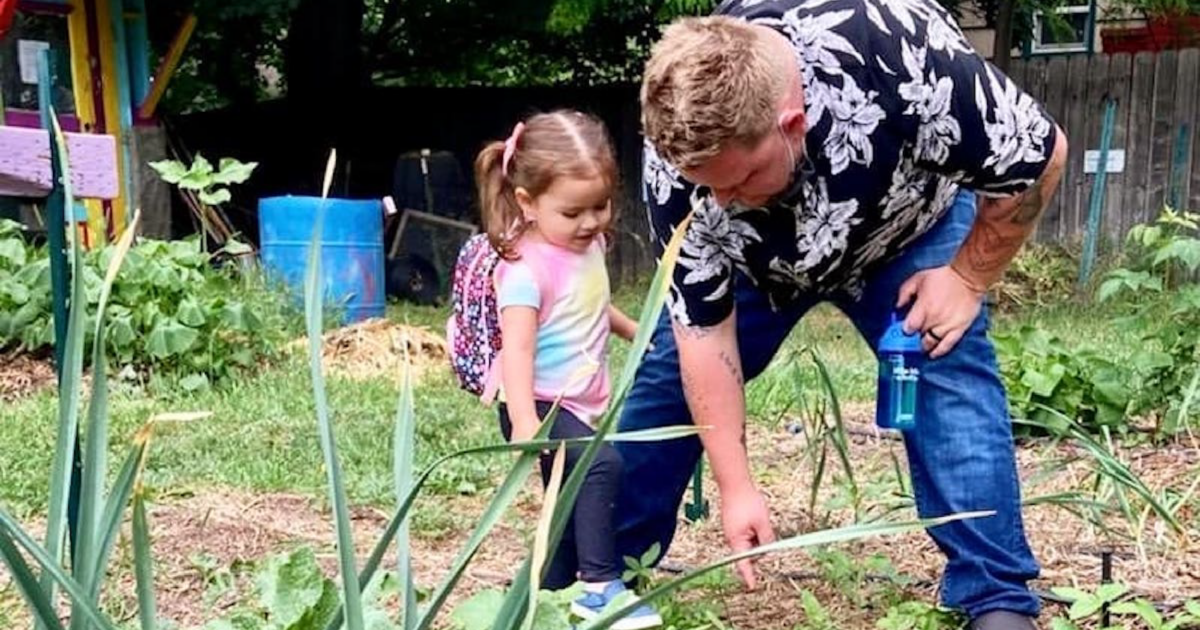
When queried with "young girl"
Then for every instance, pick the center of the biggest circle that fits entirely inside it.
(546, 198)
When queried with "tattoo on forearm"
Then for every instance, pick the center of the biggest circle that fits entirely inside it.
(1029, 205)
(996, 241)
(693, 332)
(733, 366)
(991, 249)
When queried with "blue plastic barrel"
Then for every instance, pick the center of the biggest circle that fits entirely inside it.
(351, 250)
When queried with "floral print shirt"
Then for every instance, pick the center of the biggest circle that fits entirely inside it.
(901, 113)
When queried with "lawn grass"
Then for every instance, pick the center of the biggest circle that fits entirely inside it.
(262, 436)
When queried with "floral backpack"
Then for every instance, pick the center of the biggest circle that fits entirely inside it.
(473, 330)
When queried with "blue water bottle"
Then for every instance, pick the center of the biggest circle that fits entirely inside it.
(900, 360)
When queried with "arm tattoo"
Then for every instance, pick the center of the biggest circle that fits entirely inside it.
(1029, 205)
(991, 250)
(694, 332)
(732, 365)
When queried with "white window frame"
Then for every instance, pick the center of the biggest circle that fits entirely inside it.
(1036, 47)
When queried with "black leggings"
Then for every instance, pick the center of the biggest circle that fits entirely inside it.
(587, 543)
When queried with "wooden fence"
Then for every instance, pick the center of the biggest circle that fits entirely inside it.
(1157, 118)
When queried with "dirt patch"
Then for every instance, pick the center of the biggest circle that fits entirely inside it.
(377, 346)
(23, 374)
(194, 536)
(204, 545)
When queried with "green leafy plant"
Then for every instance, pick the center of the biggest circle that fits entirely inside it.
(1114, 487)
(1163, 259)
(920, 616)
(210, 184)
(815, 615)
(852, 576)
(640, 570)
(293, 594)
(171, 312)
(1087, 606)
(1041, 373)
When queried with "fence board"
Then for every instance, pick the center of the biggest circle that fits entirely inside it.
(1120, 78)
(1055, 102)
(1185, 104)
(1093, 115)
(1163, 130)
(1137, 160)
(1076, 113)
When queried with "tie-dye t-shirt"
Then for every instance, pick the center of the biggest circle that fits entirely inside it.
(572, 335)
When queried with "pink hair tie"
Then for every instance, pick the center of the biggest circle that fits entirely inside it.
(510, 147)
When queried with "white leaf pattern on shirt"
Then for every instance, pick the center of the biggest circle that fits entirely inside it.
(712, 244)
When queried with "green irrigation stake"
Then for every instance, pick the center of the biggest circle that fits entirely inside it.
(697, 509)
(1177, 173)
(1096, 209)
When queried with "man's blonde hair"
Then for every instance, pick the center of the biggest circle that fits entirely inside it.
(710, 81)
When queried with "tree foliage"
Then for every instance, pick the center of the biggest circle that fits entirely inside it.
(248, 50)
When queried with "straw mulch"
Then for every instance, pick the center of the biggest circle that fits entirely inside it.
(376, 346)
(22, 375)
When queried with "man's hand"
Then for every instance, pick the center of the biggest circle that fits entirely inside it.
(747, 524)
(943, 306)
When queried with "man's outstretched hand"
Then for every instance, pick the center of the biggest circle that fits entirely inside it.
(747, 524)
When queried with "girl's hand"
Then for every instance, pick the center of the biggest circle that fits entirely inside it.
(622, 325)
(523, 430)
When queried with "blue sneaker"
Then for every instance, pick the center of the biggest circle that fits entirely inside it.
(589, 606)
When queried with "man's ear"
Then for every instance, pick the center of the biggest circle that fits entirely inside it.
(794, 123)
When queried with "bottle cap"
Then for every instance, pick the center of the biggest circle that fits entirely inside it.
(894, 339)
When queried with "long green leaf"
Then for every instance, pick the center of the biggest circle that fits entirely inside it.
(1110, 467)
(110, 522)
(23, 577)
(91, 491)
(129, 478)
(71, 376)
(533, 446)
(542, 533)
(513, 607)
(52, 570)
(143, 564)
(314, 302)
(404, 445)
(840, 443)
(813, 539)
(91, 539)
(651, 311)
(513, 482)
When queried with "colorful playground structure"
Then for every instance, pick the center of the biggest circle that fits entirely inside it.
(103, 92)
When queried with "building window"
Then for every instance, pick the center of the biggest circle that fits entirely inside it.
(1067, 28)
(19, 49)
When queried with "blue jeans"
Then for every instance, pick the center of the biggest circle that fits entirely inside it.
(961, 456)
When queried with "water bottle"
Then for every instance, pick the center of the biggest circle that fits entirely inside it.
(900, 360)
